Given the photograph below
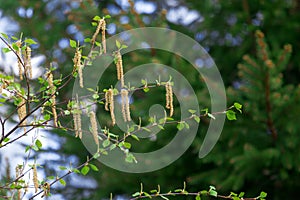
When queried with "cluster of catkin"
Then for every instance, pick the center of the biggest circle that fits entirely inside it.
(24, 68)
(119, 65)
(101, 26)
(78, 65)
(52, 90)
(109, 104)
(169, 97)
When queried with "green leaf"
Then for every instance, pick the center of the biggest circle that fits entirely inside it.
(135, 137)
(34, 147)
(30, 41)
(38, 144)
(94, 23)
(107, 16)
(164, 197)
(106, 143)
(4, 35)
(118, 44)
(180, 126)
(230, 115)
(211, 115)
(192, 111)
(112, 147)
(136, 194)
(87, 40)
(213, 193)
(73, 43)
(94, 167)
(238, 106)
(130, 129)
(63, 182)
(15, 46)
(127, 145)
(47, 117)
(6, 139)
(6, 50)
(85, 170)
(62, 167)
(197, 119)
(76, 171)
(27, 148)
(198, 197)
(242, 194)
(146, 89)
(263, 195)
(96, 18)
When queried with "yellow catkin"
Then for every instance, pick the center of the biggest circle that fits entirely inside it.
(119, 65)
(109, 101)
(28, 67)
(35, 179)
(19, 53)
(22, 111)
(169, 98)
(125, 105)
(93, 122)
(103, 28)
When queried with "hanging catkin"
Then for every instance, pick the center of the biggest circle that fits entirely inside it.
(109, 104)
(19, 53)
(93, 122)
(77, 120)
(22, 112)
(169, 98)
(27, 62)
(103, 28)
(125, 105)
(78, 66)
(35, 178)
(119, 65)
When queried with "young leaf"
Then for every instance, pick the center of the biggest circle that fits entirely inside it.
(30, 41)
(85, 170)
(106, 143)
(197, 119)
(180, 126)
(198, 197)
(38, 144)
(73, 43)
(238, 106)
(63, 182)
(62, 167)
(4, 35)
(211, 115)
(230, 115)
(118, 44)
(263, 195)
(94, 167)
